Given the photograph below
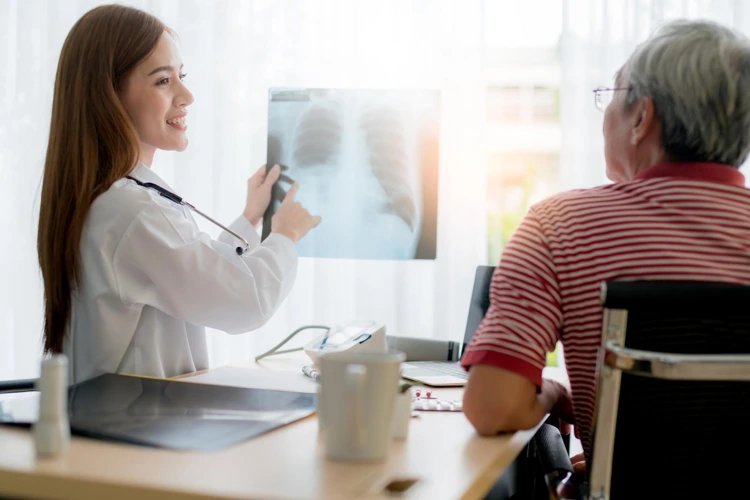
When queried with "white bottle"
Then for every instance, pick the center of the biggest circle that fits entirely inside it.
(52, 429)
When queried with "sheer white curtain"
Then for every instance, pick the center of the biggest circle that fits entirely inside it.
(597, 39)
(233, 51)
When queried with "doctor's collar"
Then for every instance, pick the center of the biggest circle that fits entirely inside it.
(145, 174)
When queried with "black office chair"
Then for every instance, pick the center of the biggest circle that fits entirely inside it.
(673, 395)
(17, 385)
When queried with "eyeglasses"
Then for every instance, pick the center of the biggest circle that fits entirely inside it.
(603, 96)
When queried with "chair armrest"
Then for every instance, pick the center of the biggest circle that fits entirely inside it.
(726, 367)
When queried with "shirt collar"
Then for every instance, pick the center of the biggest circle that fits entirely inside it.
(145, 174)
(708, 172)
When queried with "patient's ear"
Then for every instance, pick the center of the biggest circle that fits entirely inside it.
(644, 119)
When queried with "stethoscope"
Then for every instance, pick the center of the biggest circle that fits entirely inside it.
(177, 199)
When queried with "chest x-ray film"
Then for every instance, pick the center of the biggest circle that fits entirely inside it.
(366, 161)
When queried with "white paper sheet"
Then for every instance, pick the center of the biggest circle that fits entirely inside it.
(256, 378)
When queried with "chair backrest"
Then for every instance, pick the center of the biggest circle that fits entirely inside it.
(673, 392)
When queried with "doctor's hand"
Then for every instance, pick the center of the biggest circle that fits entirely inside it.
(292, 219)
(259, 194)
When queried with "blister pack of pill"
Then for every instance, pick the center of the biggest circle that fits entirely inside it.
(425, 401)
(436, 405)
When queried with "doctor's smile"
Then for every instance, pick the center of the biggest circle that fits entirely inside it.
(179, 122)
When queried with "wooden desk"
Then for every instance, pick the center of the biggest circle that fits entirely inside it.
(442, 450)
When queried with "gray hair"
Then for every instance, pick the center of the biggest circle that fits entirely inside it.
(698, 75)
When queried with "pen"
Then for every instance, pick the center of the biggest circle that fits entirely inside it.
(310, 372)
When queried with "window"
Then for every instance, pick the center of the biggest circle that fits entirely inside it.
(545, 105)
(522, 79)
(504, 104)
(516, 180)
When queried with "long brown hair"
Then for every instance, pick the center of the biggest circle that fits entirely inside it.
(92, 143)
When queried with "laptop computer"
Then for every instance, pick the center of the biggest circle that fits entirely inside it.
(450, 373)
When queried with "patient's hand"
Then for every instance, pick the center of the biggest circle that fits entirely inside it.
(564, 406)
(579, 464)
(557, 400)
(572, 486)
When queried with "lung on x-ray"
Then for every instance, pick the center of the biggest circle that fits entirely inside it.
(366, 161)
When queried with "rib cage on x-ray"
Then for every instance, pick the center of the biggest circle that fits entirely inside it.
(359, 157)
(384, 134)
(318, 142)
(318, 136)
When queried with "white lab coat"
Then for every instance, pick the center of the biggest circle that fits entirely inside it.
(150, 282)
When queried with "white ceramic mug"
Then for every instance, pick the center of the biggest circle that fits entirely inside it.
(355, 403)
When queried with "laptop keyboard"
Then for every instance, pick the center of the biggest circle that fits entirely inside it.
(441, 367)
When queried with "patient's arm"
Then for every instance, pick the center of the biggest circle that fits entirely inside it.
(498, 400)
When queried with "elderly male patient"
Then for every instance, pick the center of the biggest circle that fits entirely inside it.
(676, 131)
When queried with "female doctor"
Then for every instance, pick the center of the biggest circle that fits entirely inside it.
(130, 283)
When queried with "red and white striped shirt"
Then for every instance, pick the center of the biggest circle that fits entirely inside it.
(673, 222)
